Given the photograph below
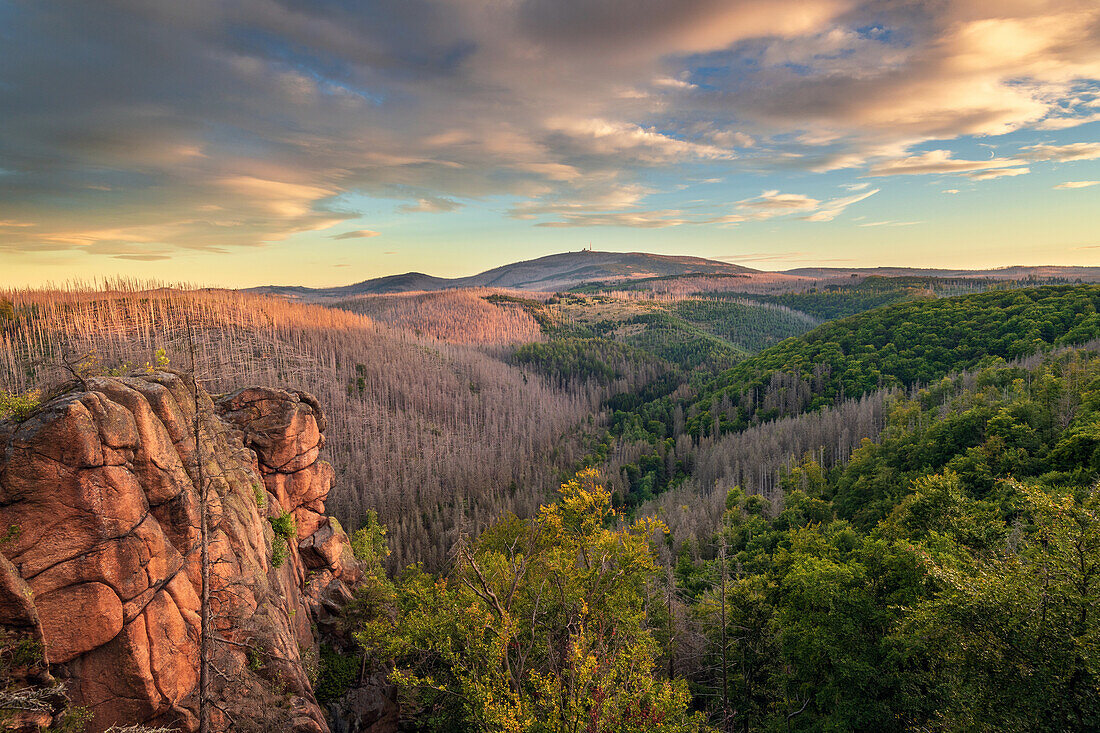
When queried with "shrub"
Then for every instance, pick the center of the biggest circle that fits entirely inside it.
(336, 674)
(13, 533)
(278, 554)
(255, 659)
(369, 541)
(18, 407)
(284, 525)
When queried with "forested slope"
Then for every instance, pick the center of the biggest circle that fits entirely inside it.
(704, 427)
(689, 334)
(434, 436)
(942, 578)
(828, 301)
(897, 345)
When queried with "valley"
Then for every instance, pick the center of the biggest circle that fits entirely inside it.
(841, 461)
(549, 366)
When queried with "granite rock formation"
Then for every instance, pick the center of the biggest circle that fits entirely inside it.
(101, 575)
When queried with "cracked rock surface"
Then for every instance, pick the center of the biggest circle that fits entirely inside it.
(102, 484)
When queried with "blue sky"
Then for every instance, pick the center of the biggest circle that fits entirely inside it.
(245, 142)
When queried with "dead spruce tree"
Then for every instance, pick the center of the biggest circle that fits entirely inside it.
(204, 545)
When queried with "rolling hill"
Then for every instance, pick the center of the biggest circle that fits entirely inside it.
(668, 274)
(553, 272)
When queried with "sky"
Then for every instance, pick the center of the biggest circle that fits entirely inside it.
(323, 142)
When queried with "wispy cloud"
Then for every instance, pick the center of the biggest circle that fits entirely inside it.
(774, 203)
(938, 162)
(430, 205)
(1078, 184)
(1062, 123)
(835, 207)
(992, 173)
(1062, 153)
(780, 257)
(358, 234)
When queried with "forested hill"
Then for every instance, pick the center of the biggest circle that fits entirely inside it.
(553, 272)
(897, 345)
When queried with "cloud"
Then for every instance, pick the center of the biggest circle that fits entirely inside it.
(950, 190)
(622, 207)
(359, 234)
(763, 257)
(218, 124)
(937, 162)
(834, 208)
(778, 257)
(1077, 184)
(592, 196)
(1062, 153)
(967, 68)
(430, 205)
(773, 203)
(989, 175)
(889, 223)
(671, 83)
(635, 219)
(601, 138)
(768, 205)
(1062, 123)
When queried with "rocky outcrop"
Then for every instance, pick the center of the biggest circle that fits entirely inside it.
(100, 488)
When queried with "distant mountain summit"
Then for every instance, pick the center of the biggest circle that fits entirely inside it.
(553, 272)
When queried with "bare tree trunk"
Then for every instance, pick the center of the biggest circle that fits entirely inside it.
(725, 668)
(671, 633)
(204, 547)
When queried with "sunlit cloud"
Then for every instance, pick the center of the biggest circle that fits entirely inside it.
(774, 203)
(835, 207)
(1062, 153)
(937, 162)
(1062, 123)
(989, 175)
(143, 128)
(430, 205)
(1077, 184)
(358, 234)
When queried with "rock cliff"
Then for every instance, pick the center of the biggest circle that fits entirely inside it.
(100, 577)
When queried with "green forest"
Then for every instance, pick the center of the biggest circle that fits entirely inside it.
(945, 578)
(941, 577)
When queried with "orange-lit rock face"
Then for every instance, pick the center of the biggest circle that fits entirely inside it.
(102, 485)
(286, 429)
